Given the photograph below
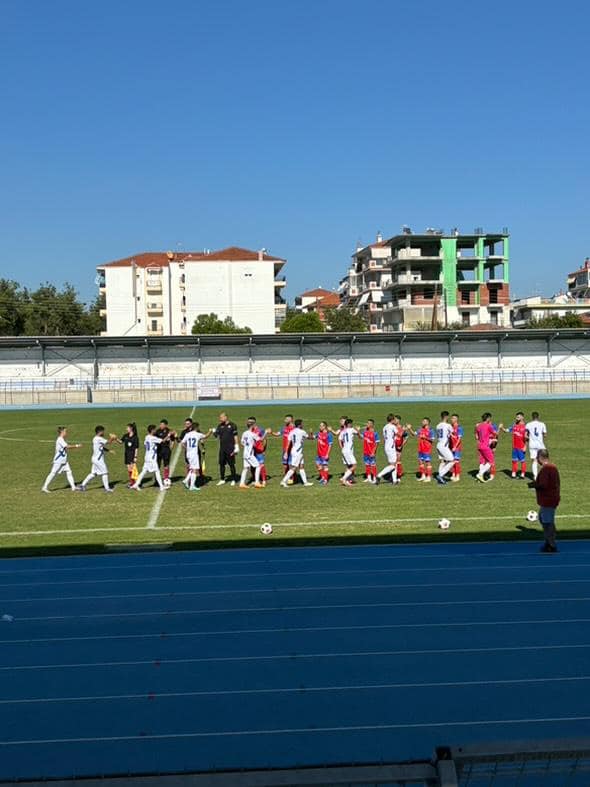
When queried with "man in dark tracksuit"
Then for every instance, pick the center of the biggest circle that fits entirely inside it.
(227, 432)
(547, 486)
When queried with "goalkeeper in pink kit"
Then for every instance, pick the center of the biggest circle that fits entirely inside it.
(484, 434)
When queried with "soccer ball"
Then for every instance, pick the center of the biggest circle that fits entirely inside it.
(532, 516)
(266, 529)
(167, 483)
(444, 524)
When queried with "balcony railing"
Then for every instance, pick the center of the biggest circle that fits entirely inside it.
(155, 308)
(154, 285)
(409, 279)
(159, 331)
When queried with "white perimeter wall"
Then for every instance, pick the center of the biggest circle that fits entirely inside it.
(327, 358)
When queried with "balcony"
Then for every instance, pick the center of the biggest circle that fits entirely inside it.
(153, 285)
(282, 282)
(404, 255)
(410, 279)
(159, 331)
(156, 309)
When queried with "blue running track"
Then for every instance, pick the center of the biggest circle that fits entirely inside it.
(288, 657)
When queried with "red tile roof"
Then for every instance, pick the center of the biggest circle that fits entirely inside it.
(317, 293)
(162, 259)
(333, 299)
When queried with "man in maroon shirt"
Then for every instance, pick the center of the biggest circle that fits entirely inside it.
(547, 486)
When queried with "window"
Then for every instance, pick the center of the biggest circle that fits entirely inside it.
(184, 300)
(465, 296)
(154, 325)
(429, 294)
(493, 295)
(465, 319)
(494, 317)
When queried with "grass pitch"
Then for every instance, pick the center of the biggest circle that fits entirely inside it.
(218, 516)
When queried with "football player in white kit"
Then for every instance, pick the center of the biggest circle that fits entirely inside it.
(346, 435)
(389, 436)
(444, 430)
(251, 464)
(99, 465)
(191, 442)
(60, 460)
(536, 432)
(150, 462)
(297, 437)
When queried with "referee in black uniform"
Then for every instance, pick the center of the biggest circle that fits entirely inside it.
(227, 432)
(130, 441)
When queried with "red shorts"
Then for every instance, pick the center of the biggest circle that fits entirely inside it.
(486, 455)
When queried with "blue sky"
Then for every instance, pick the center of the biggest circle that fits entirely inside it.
(298, 126)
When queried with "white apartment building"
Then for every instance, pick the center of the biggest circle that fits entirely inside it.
(364, 288)
(163, 293)
(523, 310)
(578, 282)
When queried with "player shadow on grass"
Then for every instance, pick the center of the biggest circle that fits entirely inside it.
(527, 529)
(201, 480)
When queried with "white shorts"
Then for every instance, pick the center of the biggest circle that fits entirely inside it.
(296, 459)
(444, 452)
(99, 468)
(251, 461)
(534, 452)
(391, 455)
(348, 458)
(150, 467)
(60, 467)
(193, 460)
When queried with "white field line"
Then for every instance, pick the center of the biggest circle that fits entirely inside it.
(293, 731)
(167, 613)
(363, 654)
(293, 690)
(157, 507)
(250, 525)
(540, 565)
(282, 630)
(20, 439)
(322, 588)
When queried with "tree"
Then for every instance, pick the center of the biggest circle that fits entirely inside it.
(92, 322)
(569, 320)
(300, 322)
(344, 320)
(210, 323)
(13, 302)
(50, 312)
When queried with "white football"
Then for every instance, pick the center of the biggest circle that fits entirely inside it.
(167, 483)
(266, 529)
(444, 524)
(532, 516)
